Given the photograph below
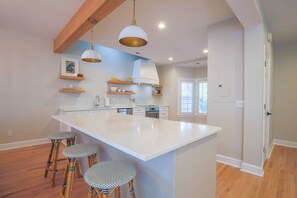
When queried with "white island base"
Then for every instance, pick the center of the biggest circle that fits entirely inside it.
(189, 171)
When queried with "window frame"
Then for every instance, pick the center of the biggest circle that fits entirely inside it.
(193, 81)
(198, 81)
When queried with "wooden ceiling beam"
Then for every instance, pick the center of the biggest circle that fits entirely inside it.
(79, 25)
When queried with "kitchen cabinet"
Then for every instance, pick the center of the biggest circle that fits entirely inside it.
(139, 112)
(163, 113)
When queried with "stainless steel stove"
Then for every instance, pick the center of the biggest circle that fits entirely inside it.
(152, 111)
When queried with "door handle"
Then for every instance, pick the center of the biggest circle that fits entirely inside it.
(268, 113)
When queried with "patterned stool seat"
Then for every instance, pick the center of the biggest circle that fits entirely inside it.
(61, 135)
(80, 150)
(110, 174)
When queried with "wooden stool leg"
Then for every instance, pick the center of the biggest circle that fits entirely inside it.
(104, 193)
(70, 141)
(131, 189)
(78, 170)
(117, 192)
(91, 161)
(65, 180)
(70, 176)
(49, 161)
(55, 160)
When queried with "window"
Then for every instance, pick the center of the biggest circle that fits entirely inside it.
(202, 96)
(186, 96)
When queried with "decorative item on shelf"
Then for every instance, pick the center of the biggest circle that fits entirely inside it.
(91, 55)
(69, 67)
(129, 79)
(113, 88)
(121, 92)
(133, 35)
(114, 79)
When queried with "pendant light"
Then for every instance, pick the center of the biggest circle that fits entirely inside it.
(132, 35)
(91, 55)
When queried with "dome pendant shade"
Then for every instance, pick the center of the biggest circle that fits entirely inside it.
(91, 56)
(133, 36)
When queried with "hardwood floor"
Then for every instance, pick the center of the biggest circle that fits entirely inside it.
(279, 181)
(21, 175)
(22, 170)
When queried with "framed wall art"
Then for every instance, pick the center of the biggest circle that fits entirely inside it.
(69, 66)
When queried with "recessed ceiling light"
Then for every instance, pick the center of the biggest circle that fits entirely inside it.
(170, 58)
(205, 51)
(161, 26)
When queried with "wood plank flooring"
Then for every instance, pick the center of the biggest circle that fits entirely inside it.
(21, 175)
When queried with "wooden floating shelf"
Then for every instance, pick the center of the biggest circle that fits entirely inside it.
(121, 93)
(157, 86)
(120, 82)
(71, 90)
(71, 78)
(157, 94)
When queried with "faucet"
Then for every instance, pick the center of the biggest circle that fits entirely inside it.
(132, 99)
(97, 101)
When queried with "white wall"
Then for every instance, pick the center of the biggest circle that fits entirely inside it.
(29, 84)
(225, 67)
(253, 92)
(285, 94)
(169, 76)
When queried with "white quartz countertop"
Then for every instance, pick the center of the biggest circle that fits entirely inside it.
(143, 138)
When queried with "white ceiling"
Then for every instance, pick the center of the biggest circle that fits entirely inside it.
(42, 18)
(183, 39)
(281, 16)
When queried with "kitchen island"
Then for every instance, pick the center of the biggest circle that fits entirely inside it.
(173, 159)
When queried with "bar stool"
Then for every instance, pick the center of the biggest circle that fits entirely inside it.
(73, 153)
(52, 161)
(107, 177)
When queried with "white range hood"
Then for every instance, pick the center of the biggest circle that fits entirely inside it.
(145, 71)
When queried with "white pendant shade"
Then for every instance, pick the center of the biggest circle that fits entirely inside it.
(133, 36)
(91, 56)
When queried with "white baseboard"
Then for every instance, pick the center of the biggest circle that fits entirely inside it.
(255, 170)
(229, 161)
(21, 144)
(285, 143)
(270, 150)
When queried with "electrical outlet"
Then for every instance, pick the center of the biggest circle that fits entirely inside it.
(10, 133)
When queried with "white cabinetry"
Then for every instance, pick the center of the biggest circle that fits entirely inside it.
(163, 113)
(139, 111)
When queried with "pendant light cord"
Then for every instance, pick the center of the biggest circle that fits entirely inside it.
(92, 39)
(133, 21)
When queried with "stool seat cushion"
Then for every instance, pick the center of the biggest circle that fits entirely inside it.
(110, 174)
(62, 135)
(80, 150)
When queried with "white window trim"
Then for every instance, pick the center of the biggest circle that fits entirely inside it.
(179, 114)
(197, 94)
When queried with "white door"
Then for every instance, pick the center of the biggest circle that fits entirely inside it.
(267, 107)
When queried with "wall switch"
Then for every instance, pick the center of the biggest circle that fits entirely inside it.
(10, 133)
(239, 104)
